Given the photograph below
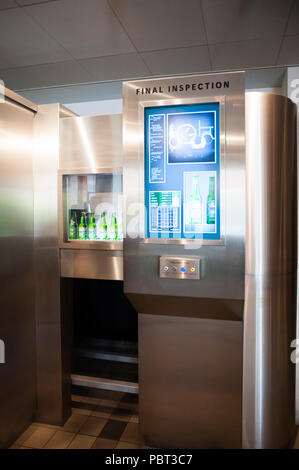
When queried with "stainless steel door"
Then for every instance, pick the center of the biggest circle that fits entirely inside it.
(190, 381)
(17, 322)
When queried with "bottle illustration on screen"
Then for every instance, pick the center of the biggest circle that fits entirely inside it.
(196, 203)
(92, 229)
(211, 204)
(73, 227)
(82, 230)
(102, 228)
(113, 232)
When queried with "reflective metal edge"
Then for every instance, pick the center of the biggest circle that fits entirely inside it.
(270, 281)
(52, 327)
(222, 309)
(104, 384)
(20, 100)
(66, 112)
(106, 356)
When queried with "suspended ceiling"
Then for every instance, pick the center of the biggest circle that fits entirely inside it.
(68, 42)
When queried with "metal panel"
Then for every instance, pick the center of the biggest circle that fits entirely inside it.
(105, 384)
(11, 95)
(178, 267)
(17, 323)
(88, 145)
(91, 142)
(223, 266)
(190, 352)
(271, 263)
(53, 382)
(190, 382)
(220, 309)
(89, 264)
(291, 78)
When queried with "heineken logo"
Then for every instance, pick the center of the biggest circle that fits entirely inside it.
(183, 87)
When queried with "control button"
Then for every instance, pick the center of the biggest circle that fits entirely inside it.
(174, 268)
(166, 268)
(183, 269)
(192, 270)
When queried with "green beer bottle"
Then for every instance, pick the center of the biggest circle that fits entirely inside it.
(211, 204)
(92, 229)
(196, 203)
(73, 227)
(113, 232)
(102, 228)
(82, 227)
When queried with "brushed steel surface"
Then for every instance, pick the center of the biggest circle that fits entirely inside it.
(268, 373)
(88, 145)
(91, 142)
(190, 354)
(181, 306)
(104, 384)
(190, 382)
(53, 382)
(179, 267)
(89, 264)
(271, 184)
(17, 322)
(271, 264)
(224, 265)
(18, 99)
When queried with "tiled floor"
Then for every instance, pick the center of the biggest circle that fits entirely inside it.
(103, 421)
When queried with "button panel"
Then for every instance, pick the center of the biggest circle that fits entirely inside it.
(179, 267)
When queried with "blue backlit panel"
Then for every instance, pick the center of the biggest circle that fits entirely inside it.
(182, 171)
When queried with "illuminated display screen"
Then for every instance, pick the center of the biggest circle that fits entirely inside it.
(182, 171)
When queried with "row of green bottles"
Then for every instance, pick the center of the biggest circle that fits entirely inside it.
(92, 232)
(196, 217)
(82, 231)
(103, 228)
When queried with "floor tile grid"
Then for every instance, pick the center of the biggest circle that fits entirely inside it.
(95, 423)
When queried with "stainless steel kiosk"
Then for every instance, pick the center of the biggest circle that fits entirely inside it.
(210, 260)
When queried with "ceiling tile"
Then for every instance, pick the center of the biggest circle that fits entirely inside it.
(123, 66)
(75, 94)
(244, 54)
(184, 60)
(293, 24)
(61, 73)
(23, 42)
(156, 24)
(85, 28)
(7, 4)
(289, 51)
(236, 20)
